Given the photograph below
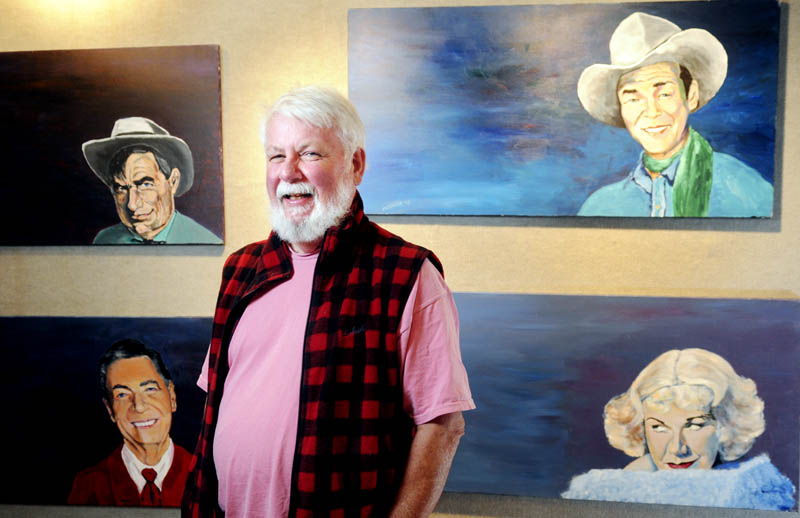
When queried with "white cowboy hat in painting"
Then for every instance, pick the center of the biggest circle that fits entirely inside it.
(132, 131)
(642, 39)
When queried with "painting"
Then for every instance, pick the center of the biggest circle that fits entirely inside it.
(71, 436)
(113, 146)
(515, 110)
(543, 368)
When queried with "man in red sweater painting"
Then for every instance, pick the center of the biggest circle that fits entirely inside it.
(147, 469)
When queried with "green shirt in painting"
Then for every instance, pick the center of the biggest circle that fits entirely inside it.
(181, 230)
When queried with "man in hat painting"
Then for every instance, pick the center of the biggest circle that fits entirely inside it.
(146, 168)
(658, 75)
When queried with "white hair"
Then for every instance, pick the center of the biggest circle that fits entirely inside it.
(321, 107)
(688, 378)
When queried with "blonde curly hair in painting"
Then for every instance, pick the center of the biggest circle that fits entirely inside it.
(688, 378)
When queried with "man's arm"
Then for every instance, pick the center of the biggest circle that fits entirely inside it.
(432, 452)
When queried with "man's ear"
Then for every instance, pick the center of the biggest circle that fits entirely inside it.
(110, 411)
(174, 180)
(172, 399)
(359, 165)
(693, 96)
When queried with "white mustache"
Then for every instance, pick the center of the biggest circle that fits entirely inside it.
(288, 189)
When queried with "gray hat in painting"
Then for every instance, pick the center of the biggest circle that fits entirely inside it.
(642, 39)
(132, 131)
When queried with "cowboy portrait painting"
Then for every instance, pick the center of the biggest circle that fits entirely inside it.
(145, 168)
(487, 110)
(146, 122)
(659, 75)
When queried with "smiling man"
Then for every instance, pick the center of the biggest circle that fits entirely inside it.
(334, 376)
(147, 469)
(146, 168)
(658, 76)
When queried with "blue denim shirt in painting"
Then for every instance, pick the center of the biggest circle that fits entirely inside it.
(737, 191)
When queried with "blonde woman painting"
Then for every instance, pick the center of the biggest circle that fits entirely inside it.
(687, 418)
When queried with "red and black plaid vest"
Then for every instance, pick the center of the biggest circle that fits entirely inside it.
(353, 435)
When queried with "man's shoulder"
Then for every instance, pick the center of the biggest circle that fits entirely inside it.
(104, 466)
(185, 230)
(383, 235)
(400, 246)
(738, 190)
(117, 234)
(732, 169)
(620, 198)
(95, 484)
(181, 455)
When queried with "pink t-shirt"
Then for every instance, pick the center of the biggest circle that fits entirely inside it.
(256, 431)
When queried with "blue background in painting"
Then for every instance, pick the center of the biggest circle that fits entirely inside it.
(541, 369)
(57, 424)
(474, 110)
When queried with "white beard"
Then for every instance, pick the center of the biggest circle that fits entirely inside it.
(323, 216)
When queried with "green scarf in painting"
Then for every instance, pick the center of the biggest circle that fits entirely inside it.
(655, 165)
(692, 188)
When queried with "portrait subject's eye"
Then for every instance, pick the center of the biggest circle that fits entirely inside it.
(311, 155)
(698, 424)
(658, 427)
(121, 395)
(276, 158)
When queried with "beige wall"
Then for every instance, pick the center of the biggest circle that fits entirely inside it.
(268, 46)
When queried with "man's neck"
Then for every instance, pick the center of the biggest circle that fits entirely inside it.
(307, 247)
(151, 234)
(149, 454)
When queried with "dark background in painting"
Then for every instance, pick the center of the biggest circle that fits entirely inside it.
(56, 421)
(54, 101)
(474, 110)
(541, 369)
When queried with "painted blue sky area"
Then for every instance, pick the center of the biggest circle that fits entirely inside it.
(541, 368)
(474, 110)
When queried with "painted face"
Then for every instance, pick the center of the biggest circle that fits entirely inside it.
(654, 108)
(144, 196)
(679, 438)
(310, 181)
(141, 404)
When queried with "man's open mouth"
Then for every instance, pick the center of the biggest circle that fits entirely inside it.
(144, 424)
(299, 196)
(655, 130)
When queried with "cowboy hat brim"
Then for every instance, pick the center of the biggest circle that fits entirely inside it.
(696, 49)
(98, 154)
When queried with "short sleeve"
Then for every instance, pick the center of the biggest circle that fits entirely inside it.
(434, 378)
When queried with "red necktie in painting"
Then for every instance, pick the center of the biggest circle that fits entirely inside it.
(151, 495)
